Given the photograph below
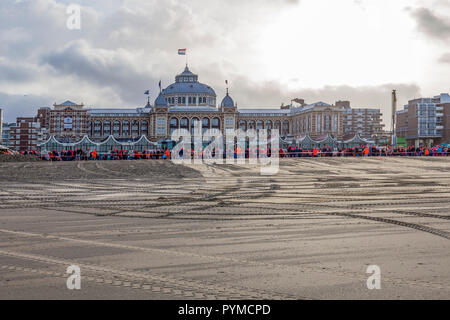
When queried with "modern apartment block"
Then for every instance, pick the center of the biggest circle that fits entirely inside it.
(26, 134)
(363, 121)
(425, 121)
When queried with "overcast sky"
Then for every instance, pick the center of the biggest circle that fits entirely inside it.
(270, 51)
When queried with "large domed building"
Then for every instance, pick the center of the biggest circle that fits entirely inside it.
(184, 103)
(187, 101)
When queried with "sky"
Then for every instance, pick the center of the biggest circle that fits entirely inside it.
(270, 51)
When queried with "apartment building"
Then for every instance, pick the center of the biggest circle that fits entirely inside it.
(363, 121)
(425, 121)
(26, 134)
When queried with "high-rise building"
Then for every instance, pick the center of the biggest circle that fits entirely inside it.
(26, 134)
(425, 121)
(363, 121)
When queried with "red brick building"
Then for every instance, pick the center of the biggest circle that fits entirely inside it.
(27, 134)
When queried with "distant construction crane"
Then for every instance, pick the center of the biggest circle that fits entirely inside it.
(394, 111)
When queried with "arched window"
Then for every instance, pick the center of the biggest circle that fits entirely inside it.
(327, 123)
(126, 128)
(259, 125)
(89, 127)
(194, 121)
(106, 128)
(205, 124)
(173, 124)
(243, 125)
(269, 127)
(184, 123)
(97, 128)
(277, 126)
(285, 128)
(116, 128)
(251, 125)
(135, 128)
(144, 128)
(215, 123)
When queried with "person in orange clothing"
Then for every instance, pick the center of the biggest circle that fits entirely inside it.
(315, 152)
(427, 152)
(167, 153)
(94, 154)
(366, 151)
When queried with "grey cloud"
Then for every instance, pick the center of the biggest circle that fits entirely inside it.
(271, 94)
(15, 105)
(15, 72)
(431, 24)
(101, 68)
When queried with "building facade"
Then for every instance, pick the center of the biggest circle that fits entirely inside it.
(27, 134)
(67, 120)
(365, 122)
(182, 105)
(5, 133)
(425, 121)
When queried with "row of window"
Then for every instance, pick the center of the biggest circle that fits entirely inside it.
(190, 100)
(282, 127)
(328, 123)
(118, 123)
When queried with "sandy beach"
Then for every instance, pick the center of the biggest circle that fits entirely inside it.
(155, 230)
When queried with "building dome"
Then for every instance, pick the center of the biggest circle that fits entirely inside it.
(227, 102)
(160, 101)
(189, 88)
(187, 91)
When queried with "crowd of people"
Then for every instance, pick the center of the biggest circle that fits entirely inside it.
(116, 154)
(289, 152)
(369, 151)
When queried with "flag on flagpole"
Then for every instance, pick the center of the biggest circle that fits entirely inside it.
(182, 52)
(159, 85)
(147, 92)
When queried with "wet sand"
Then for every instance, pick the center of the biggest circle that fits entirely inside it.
(155, 230)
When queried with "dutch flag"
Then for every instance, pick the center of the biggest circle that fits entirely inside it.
(182, 52)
